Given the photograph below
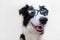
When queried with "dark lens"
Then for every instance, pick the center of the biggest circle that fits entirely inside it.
(31, 12)
(43, 11)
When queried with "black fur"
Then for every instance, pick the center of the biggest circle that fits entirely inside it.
(23, 10)
(25, 14)
(22, 36)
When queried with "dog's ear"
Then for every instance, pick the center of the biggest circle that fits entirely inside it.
(23, 10)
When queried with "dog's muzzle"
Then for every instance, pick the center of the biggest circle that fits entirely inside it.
(38, 28)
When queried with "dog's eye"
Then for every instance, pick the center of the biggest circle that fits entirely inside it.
(31, 12)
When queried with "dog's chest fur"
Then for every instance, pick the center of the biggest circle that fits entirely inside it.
(30, 33)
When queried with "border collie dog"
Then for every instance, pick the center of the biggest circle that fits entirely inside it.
(34, 21)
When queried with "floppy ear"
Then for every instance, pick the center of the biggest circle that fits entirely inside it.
(23, 10)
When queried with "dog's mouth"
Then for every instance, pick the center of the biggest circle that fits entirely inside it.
(38, 28)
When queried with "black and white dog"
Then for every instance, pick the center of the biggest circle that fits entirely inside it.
(33, 22)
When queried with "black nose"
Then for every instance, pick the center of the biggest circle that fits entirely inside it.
(43, 20)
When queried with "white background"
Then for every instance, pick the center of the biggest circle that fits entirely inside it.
(10, 21)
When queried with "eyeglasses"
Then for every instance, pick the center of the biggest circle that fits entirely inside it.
(43, 11)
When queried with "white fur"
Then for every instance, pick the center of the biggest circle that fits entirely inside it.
(30, 33)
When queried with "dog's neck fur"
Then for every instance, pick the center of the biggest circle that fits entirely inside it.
(30, 33)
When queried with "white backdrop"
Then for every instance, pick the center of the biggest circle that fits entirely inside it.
(10, 21)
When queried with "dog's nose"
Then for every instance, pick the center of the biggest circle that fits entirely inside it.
(43, 20)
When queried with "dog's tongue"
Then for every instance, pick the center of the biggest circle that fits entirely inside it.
(38, 27)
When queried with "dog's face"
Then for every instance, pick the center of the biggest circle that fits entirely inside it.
(37, 18)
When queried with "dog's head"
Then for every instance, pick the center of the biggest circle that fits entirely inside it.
(37, 18)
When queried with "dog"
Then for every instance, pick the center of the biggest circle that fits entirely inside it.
(34, 21)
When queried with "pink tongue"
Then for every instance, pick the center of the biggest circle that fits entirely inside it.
(39, 28)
